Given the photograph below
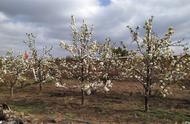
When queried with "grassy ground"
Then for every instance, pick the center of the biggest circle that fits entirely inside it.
(124, 104)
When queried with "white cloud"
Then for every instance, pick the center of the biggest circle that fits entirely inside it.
(3, 17)
(50, 19)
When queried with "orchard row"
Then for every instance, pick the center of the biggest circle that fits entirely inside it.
(152, 62)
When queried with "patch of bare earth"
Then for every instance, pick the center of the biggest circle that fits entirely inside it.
(124, 104)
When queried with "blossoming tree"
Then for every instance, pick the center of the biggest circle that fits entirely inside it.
(108, 60)
(153, 62)
(39, 63)
(62, 69)
(12, 71)
(85, 52)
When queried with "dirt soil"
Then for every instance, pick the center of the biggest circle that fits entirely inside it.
(124, 104)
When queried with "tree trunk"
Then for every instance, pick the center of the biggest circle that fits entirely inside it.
(150, 92)
(82, 97)
(40, 86)
(82, 81)
(146, 100)
(148, 74)
(11, 91)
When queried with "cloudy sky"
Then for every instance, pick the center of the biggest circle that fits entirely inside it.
(49, 20)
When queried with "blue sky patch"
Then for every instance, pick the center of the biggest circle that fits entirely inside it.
(105, 2)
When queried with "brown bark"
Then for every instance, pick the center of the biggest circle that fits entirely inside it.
(82, 97)
(11, 91)
(146, 100)
(40, 86)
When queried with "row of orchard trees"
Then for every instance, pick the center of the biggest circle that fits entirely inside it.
(152, 63)
(89, 64)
